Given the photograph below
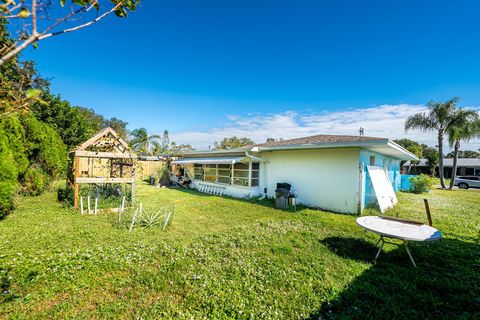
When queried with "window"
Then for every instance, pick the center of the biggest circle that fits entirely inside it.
(255, 174)
(210, 173)
(188, 170)
(390, 164)
(469, 171)
(240, 174)
(477, 172)
(198, 171)
(372, 160)
(224, 173)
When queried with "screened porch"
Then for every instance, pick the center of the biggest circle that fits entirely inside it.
(239, 172)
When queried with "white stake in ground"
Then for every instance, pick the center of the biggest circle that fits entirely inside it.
(81, 205)
(88, 200)
(133, 220)
(96, 203)
(168, 217)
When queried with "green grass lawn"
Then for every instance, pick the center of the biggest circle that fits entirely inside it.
(226, 258)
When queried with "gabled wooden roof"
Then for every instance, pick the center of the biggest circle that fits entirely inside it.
(106, 143)
(102, 134)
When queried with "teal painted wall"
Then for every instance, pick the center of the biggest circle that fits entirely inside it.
(381, 160)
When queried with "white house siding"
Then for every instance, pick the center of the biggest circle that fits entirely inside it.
(325, 178)
(230, 190)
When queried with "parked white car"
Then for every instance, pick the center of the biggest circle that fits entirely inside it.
(465, 182)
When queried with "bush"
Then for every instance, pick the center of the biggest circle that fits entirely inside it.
(109, 196)
(8, 176)
(34, 181)
(65, 195)
(163, 175)
(420, 184)
(44, 147)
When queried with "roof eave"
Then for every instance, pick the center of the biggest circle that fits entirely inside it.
(323, 145)
(210, 152)
(407, 153)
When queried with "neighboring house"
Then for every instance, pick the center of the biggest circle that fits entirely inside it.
(465, 167)
(325, 171)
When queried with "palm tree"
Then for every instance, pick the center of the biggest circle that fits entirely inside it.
(440, 118)
(141, 141)
(466, 127)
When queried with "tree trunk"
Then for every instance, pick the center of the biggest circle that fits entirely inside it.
(455, 160)
(440, 160)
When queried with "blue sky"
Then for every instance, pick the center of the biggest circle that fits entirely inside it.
(205, 69)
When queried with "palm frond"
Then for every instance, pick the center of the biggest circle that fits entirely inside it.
(420, 121)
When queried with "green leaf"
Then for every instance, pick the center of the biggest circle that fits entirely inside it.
(121, 12)
(35, 45)
(62, 3)
(82, 3)
(32, 93)
(24, 13)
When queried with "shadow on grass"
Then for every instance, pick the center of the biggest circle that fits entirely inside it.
(446, 284)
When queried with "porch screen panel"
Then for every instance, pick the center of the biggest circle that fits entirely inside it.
(189, 171)
(198, 171)
(240, 174)
(255, 174)
(224, 173)
(210, 172)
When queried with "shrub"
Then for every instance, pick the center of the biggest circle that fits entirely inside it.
(44, 147)
(65, 195)
(420, 184)
(163, 175)
(8, 176)
(109, 196)
(34, 181)
(12, 132)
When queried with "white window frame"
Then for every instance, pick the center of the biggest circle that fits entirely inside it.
(232, 174)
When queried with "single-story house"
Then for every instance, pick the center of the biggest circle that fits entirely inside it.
(326, 171)
(465, 167)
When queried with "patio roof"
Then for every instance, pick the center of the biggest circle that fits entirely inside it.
(212, 160)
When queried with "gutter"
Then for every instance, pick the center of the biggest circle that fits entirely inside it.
(402, 149)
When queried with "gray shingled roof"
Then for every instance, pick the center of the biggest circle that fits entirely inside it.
(318, 139)
(448, 162)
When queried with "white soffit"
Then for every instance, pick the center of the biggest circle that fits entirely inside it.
(211, 160)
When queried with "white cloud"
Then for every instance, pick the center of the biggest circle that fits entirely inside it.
(378, 121)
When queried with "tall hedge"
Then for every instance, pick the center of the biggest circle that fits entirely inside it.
(8, 175)
(32, 153)
(44, 147)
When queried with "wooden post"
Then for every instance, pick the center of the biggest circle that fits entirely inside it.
(427, 209)
(76, 164)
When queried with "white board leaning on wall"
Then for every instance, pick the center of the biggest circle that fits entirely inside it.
(383, 188)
